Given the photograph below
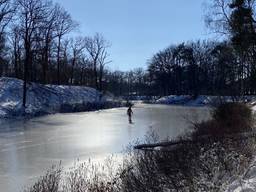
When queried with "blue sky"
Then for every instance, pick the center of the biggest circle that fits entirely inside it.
(137, 29)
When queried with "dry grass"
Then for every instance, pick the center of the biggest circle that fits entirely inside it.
(50, 182)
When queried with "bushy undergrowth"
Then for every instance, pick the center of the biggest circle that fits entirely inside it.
(227, 118)
(205, 165)
(83, 177)
(200, 164)
(50, 182)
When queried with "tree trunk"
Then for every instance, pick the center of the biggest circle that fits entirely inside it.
(26, 63)
(100, 78)
(16, 61)
(45, 63)
(58, 60)
(72, 70)
(95, 74)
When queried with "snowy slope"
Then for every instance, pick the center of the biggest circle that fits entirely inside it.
(41, 99)
(186, 100)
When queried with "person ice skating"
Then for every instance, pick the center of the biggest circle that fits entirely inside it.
(129, 113)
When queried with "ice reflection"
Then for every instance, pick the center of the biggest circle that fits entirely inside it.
(28, 147)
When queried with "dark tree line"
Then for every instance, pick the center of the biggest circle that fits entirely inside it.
(195, 68)
(225, 67)
(37, 45)
(132, 83)
(236, 20)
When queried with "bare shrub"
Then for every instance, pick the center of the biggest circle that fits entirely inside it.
(50, 182)
(84, 177)
(91, 177)
(227, 118)
(205, 165)
(234, 117)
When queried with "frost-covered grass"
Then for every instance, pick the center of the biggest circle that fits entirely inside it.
(47, 99)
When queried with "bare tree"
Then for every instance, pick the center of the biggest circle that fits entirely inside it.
(64, 25)
(65, 60)
(217, 18)
(96, 48)
(30, 16)
(102, 63)
(48, 33)
(16, 47)
(7, 10)
(77, 46)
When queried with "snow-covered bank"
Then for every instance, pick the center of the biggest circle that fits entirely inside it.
(46, 99)
(201, 100)
(247, 181)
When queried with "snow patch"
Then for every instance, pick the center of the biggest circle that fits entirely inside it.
(202, 100)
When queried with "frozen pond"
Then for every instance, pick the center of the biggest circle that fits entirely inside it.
(28, 148)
